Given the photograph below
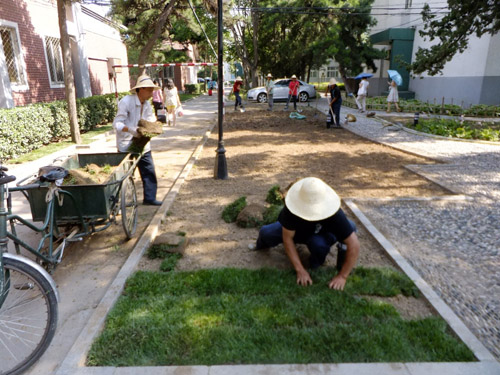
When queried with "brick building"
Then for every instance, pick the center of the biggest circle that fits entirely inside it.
(31, 67)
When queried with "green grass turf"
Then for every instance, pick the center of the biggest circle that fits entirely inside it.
(237, 316)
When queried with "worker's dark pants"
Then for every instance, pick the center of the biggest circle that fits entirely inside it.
(148, 175)
(318, 244)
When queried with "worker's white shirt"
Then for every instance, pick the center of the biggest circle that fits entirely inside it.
(129, 114)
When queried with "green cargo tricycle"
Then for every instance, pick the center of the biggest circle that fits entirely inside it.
(70, 212)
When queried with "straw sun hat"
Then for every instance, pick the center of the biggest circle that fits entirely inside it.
(269, 75)
(312, 199)
(238, 79)
(145, 81)
(333, 81)
(294, 77)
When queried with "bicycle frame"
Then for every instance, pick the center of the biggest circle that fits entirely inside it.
(49, 227)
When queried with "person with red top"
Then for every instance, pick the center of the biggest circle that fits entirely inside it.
(236, 90)
(293, 92)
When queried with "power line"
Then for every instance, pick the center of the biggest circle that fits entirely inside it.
(335, 10)
(202, 29)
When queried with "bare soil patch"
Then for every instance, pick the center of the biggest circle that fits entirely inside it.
(265, 149)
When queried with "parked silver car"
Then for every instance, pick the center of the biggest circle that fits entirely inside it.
(280, 92)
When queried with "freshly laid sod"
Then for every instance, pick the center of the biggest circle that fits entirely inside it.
(237, 316)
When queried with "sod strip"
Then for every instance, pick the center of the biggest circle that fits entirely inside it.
(234, 316)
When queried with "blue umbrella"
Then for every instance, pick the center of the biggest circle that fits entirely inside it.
(396, 77)
(363, 75)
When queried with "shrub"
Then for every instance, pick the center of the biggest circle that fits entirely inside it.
(60, 126)
(231, 211)
(193, 88)
(24, 129)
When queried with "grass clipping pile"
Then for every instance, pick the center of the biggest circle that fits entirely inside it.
(90, 174)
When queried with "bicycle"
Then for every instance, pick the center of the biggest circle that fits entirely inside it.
(28, 299)
(67, 215)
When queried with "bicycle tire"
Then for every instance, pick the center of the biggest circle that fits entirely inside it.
(128, 206)
(28, 316)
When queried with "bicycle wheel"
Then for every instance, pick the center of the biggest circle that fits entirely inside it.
(28, 315)
(128, 205)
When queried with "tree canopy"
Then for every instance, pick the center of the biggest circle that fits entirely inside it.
(283, 37)
(465, 18)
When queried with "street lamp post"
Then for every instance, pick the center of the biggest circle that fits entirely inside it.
(220, 170)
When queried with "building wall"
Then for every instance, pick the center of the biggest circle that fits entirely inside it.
(103, 42)
(32, 30)
(471, 77)
(93, 41)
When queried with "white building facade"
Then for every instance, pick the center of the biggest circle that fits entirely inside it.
(471, 77)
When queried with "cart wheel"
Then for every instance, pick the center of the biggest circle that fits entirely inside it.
(128, 205)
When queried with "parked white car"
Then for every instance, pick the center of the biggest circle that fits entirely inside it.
(280, 92)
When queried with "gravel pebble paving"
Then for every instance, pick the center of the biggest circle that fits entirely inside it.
(453, 243)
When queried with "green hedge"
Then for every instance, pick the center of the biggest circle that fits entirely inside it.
(194, 88)
(23, 129)
(414, 105)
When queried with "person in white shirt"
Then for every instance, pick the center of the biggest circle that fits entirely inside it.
(362, 92)
(270, 91)
(172, 101)
(131, 109)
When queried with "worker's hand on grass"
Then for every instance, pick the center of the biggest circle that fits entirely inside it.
(337, 283)
(303, 278)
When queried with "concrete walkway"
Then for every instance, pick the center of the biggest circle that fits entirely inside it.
(199, 119)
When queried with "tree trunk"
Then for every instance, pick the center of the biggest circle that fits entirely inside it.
(255, 26)
(348, 86)
(69, 78)
(158, 29)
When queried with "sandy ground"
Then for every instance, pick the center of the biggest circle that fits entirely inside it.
(267, 148)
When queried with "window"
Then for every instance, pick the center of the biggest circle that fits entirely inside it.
(54, 60)
(13, 58)
(314, 74)
(408, 4)
(333, 72)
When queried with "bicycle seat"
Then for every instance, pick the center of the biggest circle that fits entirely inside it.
(4, 179)
(2, 168)
(52, 173)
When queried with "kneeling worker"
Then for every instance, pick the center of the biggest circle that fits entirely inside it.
(131, 109)
(312, 216)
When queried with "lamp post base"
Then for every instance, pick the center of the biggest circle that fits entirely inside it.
(220, 170)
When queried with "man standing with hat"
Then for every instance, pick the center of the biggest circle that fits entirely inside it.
(270, 91)
(335, 101)
(236, 90)
(293, 92)
(312, 216)
(131, 109)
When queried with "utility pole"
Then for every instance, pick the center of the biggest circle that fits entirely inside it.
(220, 171)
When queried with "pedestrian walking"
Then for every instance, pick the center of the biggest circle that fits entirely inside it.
(236, 90)
(362, 92)
(172, 101)
(293, 92)
(335, 101)
(270, 91)
(393, 96)
(157, 98)
(131, 109)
